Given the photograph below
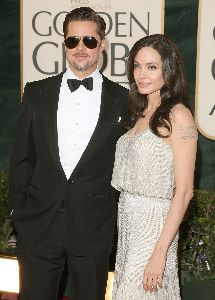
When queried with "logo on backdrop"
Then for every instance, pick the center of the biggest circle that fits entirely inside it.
(120, 29)
(42, 35)
(205, 87)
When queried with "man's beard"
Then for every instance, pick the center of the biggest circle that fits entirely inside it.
(84, 68)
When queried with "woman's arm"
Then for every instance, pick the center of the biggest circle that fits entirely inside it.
(184, 143)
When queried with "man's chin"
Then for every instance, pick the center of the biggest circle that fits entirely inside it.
(81, 68)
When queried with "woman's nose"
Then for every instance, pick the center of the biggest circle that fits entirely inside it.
(142, 74)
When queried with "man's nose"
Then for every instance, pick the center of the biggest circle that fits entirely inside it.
(80, 45)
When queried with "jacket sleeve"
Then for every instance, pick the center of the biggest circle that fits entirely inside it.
(23, 155)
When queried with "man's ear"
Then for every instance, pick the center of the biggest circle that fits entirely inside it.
(103, 45)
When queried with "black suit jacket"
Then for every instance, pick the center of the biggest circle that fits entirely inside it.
(38, 185)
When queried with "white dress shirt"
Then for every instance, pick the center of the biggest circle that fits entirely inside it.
(77, 116)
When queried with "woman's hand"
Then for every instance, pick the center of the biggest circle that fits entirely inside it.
(153, 273)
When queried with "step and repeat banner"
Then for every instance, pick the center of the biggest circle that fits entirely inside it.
(43, 50)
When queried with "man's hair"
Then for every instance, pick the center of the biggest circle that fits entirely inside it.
(85, 14)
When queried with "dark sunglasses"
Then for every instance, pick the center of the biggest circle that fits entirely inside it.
(73, 41)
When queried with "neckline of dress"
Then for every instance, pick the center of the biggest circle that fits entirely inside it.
(138, 133)
(145, 131)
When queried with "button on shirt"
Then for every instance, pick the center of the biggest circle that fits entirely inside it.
(77, 116)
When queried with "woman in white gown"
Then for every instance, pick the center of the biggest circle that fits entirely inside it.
(154, 171)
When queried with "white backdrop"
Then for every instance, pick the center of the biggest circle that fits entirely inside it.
(42, 35)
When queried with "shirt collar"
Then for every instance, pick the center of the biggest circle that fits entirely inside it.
(97, 77)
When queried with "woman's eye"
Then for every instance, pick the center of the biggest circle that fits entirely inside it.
(136, 66)
(152, 67)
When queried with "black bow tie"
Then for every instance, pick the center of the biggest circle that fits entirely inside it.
(74, 84)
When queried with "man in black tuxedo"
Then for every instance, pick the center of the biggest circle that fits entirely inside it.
(62, 204)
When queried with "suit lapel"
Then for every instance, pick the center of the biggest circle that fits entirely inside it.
(107, 114)
(51, 92)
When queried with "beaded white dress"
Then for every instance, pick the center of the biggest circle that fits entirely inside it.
(143, 173)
